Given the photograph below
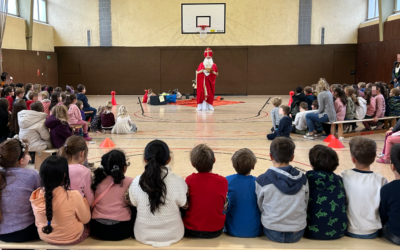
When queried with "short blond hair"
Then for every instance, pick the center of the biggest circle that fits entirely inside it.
(277, 101)
(108, 105)
(44, 94)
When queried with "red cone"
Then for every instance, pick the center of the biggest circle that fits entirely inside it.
(330, 138)
(113, 101)
(335, 144)
(107, 143)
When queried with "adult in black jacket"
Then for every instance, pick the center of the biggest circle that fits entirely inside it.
(4, 119)
(396, 73)
(298, 97)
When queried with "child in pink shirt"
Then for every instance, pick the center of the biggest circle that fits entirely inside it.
(74, 116)
(340, 104)
(60, 213)
(371, 108)
(112, 217)
(46, 102)
(76, 151)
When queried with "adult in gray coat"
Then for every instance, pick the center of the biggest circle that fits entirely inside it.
(326, 110)
(396, 73)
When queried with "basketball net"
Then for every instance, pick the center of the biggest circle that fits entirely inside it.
(203, 31)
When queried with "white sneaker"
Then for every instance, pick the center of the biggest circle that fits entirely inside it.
(309, 137)
(199, 107)
(210, 107)
(204, 106)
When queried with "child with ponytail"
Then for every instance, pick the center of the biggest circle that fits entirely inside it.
(112, 218)
(76, 151)
(60, 213)
(17, 223)
(158, 195)
(74, 115)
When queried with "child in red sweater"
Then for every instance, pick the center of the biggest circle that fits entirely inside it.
(8, 92)
(207, 199)
(33, 96)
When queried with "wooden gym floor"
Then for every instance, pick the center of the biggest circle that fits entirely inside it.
(225, 130)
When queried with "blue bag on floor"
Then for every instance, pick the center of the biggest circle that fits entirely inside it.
(170, 98)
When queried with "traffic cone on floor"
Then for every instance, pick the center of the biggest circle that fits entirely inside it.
(335, 144)
(113, 101)
(329, 138)
(107, 143)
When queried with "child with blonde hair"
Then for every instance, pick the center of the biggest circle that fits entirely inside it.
(57, 122)
(124, 123)
(275, 116)
(45, 101)
(107, 117)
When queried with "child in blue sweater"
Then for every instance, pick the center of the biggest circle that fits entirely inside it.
(326, 213)
(86, 106)
(285, 124)
(243, 215)
(389, 209)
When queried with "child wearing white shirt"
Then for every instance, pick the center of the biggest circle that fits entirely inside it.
(300, 123)
(124, 123)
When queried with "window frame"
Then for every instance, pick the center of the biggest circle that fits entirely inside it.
(376, 8)
(38, 11)
(396, 6)
(16, 7)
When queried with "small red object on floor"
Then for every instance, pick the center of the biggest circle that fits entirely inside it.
(336, 144)
(218, 98)
(113, 101)
(330, 138)
(107, 143)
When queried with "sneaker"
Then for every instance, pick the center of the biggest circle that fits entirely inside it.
(380, 155)
(382, 161)
(317, 135)
(86, 137)
(309, 137)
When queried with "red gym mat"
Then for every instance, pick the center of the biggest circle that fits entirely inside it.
(193, 103)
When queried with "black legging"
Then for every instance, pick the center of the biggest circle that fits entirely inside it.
(28, 234)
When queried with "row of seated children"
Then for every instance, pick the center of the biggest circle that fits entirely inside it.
(284, 204)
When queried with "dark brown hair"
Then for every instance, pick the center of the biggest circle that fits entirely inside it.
(323, 158)
(315, 103)
(10, 154)
(285, 109)
(32, 94)
(368, 95)
(58, 89)
(19, 91)
(243, 161)
(4, 103)
(363, 150)
(69, 99)
(304, 105)
(308, 89)
(37, 106)
(202, 158)
(18, 106)
(282, 149)
(80, 88)
(72, 147)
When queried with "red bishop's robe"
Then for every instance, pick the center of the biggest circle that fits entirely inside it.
(206, 84)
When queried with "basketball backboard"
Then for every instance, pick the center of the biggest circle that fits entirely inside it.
(195, 15)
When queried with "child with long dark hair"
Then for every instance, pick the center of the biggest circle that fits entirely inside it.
(76, 151)
(112, 218)
(60, 213)
(340, 103)
(54, 100)
(371, 108)
(14, 126)
(158, 194)
(17, 223)
(28, 88)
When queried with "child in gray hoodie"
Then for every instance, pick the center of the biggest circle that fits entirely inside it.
(282, 195)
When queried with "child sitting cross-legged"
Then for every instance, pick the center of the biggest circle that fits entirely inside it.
(107, 117)
(285, 124)
(389, 208)
(124, 123)
(207, 198)
(326, 213)
(112, 218)
(282, 195)
(17, 184)
(243, 215)
(158, 194)
(300, 123)
(362, 190)
(96, 121)
(275, 116)
(61, 214)
(76, 151)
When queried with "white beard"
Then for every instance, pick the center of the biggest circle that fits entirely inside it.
(208, 63)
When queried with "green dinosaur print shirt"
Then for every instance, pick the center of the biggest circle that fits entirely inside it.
(326, 212)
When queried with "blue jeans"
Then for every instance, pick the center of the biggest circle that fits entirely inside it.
(312, 118)
(90, 115)
(283, 237)
(363, 236)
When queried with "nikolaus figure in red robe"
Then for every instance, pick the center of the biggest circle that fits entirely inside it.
(206, 74)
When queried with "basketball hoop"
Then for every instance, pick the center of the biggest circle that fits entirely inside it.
(203, 29)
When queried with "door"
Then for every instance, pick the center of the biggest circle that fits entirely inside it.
(344, 67)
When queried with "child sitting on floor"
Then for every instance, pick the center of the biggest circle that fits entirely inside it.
(158, 194)
(308, 91)
(17, 184)
(207, 198)
(60, 214)
(243, 215)
(275, 116)
(112, 218)
(394, 102)
(389, 209)
(362, 190)
(76, 151)
(300, 124)
(107, 117)
(297, 99)
(282, 195)
(124, 123)
(326, 213)
(285, 124)
(96, 121)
